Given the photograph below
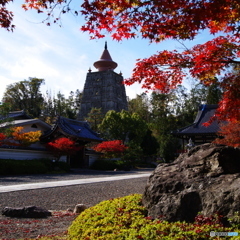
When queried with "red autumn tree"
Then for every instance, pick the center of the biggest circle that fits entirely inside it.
(111, 148)
(2, 138)
(161, 20)
(63, 146)
(229, 134)
(181, 20)
(6, 16)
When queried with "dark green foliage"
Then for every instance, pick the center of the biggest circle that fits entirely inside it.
(12, 167)
(140, 106)
(214, 93)
(105, 164)
(38, 166)
(149, 144)
(60, 105)
(95, 117)
(25, 95)
(62, 166)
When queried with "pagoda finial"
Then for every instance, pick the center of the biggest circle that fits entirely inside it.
(105, 62)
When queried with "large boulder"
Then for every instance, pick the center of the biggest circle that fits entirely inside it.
(206, 179)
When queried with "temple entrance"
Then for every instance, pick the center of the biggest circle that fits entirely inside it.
(77, 160)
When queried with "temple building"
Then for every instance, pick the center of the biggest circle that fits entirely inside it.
(197, 133)
(104, 88)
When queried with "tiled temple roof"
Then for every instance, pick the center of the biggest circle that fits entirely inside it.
(74, 128)
(16, 115)
(205, 112)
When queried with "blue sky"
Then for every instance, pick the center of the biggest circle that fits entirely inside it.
(63, 55)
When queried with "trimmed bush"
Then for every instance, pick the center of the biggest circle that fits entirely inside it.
(38, 166)
(126, 218)
(63, 166)
(13, 167)
(104, 164)
(108, 165)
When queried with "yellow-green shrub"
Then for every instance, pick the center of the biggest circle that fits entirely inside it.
(125, 218)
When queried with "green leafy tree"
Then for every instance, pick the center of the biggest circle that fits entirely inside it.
(190, 102)
(123, 126)
(149, 144)
(214, 93)
(95, 118)
(163, 121)
(73, 103)
(59, 105)
(140, 105)
(25, 95)
(130, 128)
(4, 113)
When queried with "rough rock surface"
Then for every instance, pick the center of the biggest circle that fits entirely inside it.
(206, 179)
(26, 212)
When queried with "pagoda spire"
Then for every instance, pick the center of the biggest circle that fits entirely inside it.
(105, 62)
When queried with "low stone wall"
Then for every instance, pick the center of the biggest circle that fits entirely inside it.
(24, 154)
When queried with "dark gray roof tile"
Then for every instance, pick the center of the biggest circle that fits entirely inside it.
(205, 113)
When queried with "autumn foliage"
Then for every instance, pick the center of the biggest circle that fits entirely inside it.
(162, 20)
(111, 148)
(25, 138)
(2, 138)
(17, 137)
(231, 133)
(63, 146)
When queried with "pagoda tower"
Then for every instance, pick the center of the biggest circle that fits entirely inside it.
(104, 88)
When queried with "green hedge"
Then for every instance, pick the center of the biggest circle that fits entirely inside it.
(106, 164)
(126, 218)
(38, 166)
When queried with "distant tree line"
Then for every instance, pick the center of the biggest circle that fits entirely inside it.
(146, 127)
(26, 95)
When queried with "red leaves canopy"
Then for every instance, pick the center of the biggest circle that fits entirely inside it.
(2, 138)
(63, 146)
(231, 133)
(158, 20)
(180, 19)
(115, 146)
(161, 20)
(6, 16)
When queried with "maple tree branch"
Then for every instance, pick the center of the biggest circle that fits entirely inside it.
(231, 61)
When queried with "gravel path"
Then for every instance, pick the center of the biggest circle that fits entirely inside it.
(76, 174)
(62, 198)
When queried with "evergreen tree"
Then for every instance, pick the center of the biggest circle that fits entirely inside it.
(25, 95)
(95, 117)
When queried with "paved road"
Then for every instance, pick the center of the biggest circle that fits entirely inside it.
(30, 182)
